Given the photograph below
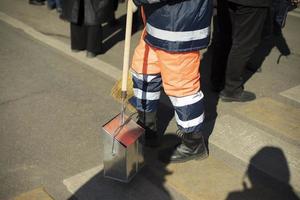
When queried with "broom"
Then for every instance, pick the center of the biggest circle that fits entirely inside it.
(122, 91)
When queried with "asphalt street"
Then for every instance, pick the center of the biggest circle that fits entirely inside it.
(51, 112)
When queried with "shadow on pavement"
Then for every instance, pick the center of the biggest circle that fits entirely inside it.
(139, 188)
(148, 184)
(272, 36)
(274, 40)
(211, 97)
(273, 161)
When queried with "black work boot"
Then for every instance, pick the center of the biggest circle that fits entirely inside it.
(148, 121)
(191, 147)
(243, 96)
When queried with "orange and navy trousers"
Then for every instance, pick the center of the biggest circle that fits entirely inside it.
(179, 75)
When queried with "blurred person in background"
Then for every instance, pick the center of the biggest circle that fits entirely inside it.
(54, 4)
(244, 33)
(240, 26)
(85, 17)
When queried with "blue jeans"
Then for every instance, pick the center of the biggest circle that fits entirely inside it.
(54, 3)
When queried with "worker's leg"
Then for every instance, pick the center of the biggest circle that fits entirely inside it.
(146, 86)
(181, 81)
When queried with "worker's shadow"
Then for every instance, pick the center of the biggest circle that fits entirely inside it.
(259, 185)
(148, 184)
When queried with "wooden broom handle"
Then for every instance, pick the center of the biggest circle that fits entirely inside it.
(128, 31)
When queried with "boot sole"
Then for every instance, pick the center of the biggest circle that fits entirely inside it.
(228, 99)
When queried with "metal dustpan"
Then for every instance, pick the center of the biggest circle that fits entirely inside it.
(123, 149)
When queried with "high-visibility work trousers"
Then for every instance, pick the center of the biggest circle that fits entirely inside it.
(179, 74)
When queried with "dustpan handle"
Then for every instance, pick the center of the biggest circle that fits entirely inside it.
(129, 16)
(128, 31)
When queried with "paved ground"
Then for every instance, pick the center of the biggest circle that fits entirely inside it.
(52, 108)
(53, 103)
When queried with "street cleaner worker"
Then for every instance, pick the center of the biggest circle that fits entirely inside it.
(168, 55)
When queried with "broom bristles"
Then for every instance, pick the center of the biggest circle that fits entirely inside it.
(117, 90)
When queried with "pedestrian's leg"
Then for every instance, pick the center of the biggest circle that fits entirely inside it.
(51, 4)
(78, 37)
(94, 40)
(221, 44)
(146, 86)
(181, 81)
(247, 26)
(58, 6)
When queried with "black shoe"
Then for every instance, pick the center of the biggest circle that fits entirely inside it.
(37, 2)
(244, 96)
(148, 121)
(192, 147)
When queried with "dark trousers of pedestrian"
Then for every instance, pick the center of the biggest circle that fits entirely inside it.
(221, 44)
(246, 25)
(86, 37)
(54, 3)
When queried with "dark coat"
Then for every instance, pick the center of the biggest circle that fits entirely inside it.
(253, 3)
(89, 12)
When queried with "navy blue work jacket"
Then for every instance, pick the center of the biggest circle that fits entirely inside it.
(177, 25)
